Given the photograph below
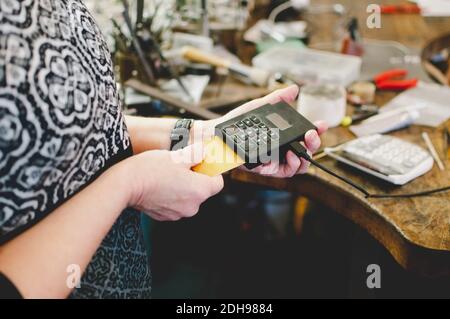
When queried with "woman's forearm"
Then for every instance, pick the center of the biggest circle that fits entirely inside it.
(37, 260)
(154, 133)
(149, 133)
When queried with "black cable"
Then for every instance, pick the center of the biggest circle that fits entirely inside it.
(342, 178)
(301, 152)
(418, 194)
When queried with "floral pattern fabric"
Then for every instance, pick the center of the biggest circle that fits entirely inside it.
(60, 127)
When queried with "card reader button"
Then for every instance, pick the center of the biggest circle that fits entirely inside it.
(242, 136)
(241, 125)
(264, 138)
(273, 134)
(255, 119)
(251, 132)
(258, 131)
(260, 141)
(248, 122)
(230, 130)
(252, 145)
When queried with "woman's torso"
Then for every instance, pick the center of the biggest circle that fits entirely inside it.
(60, 127)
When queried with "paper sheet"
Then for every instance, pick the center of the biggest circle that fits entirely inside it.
(294, 29)
(436, 99)
(434, 8)
(195, 84)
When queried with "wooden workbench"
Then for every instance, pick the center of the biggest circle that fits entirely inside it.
(415, 231)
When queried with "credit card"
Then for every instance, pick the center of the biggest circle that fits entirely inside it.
(219, 158)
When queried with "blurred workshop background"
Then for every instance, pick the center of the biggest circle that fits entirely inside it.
(253, 241)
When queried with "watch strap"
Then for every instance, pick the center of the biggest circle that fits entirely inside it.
(179, 137)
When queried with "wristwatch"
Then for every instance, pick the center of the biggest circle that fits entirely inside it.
(179, 137)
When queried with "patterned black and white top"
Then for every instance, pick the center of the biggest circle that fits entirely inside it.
(60, 127)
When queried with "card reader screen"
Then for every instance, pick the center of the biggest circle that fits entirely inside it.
(278, 121)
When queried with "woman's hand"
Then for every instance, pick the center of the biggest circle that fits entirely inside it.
(205, 129)
(163, 185)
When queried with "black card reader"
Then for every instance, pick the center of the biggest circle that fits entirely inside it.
(277, 128)
(264, 134)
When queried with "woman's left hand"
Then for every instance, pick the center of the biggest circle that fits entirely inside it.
(293, 164)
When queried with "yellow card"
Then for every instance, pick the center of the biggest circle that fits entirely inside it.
(219, 158)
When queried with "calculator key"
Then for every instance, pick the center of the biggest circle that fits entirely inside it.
(408, 163)
(416, 158)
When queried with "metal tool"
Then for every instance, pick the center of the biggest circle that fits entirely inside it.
(136, 44)
(249, 74)
(393, 80)
(141, 55)
(139, 13)
(400, 8)
(432, 150)
(446, 143)
(172, 72)
(204, 18)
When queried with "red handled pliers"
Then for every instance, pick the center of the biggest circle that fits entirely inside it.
(393, 80)
(401, 8)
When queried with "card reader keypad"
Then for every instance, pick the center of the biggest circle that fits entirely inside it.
(251, 134)
(265, 133)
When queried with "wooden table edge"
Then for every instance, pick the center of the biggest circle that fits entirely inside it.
(418, 259)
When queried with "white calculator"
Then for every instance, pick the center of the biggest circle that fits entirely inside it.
(385, 157)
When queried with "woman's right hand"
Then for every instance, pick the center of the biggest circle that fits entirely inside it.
(164, 186)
